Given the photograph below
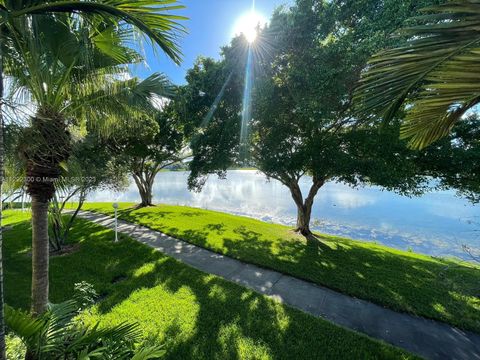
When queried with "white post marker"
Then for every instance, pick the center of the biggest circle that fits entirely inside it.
(115, 206)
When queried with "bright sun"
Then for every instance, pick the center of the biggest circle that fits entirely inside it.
(247, 25)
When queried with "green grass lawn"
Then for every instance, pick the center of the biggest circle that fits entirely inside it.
(436, 288)
(196, 315)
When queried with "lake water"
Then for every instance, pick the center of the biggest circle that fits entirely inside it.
(437, 223)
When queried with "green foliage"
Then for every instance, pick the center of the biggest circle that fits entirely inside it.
(147, 147)
(91, 167)
(196, 315)
(455, 160)
(84, 295)
(152, 18)
(306, 65)
(28, 59)
(156, 141)
(442, 289)
(12, 185)
(433, 74)
(81, 87)
(15, 348)
(57, 334)
(211, 101)
(302, 105)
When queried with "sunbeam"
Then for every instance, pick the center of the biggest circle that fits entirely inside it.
(247, 105)
(214, 106)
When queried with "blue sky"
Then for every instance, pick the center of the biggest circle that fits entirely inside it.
(210, 26)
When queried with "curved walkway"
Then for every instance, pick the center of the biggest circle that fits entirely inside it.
(427, 338)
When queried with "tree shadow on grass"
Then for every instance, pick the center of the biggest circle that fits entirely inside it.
(434, 288)
(132, 214)
(231, 322)
(414, 284)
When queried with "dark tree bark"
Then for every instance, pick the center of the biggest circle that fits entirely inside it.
(144, 181)
(304, 206)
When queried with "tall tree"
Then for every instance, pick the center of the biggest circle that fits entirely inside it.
(78, 86)
(211, 100)
(147, 147)
(150, 18)
(434, 73)
(306, 64)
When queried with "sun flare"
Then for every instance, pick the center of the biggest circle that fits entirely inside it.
(248, 24)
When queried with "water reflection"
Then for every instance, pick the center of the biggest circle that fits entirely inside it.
(436, 224)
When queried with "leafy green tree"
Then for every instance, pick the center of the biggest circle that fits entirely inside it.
(432, 75)
(455, 160)
(146, 148)
(211, 100)
(306, 65)
(90, 168)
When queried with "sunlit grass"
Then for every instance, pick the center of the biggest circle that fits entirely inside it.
(441, 289)
(196, 315)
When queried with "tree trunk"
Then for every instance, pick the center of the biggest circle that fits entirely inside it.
(304, 207)
(49, 146)
(69, 224)
(303, 221)
(40, 255)
(3, 355)
(144, 182)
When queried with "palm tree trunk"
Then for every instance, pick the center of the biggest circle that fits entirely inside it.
(40, 255)
(43, 169)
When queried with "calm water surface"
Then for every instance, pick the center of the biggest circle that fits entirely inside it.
(437, 223)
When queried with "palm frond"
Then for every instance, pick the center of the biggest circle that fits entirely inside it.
(23, 325)
(58, 334)
(153, 18)
(149, 352)
(117, 101)
(435, 74)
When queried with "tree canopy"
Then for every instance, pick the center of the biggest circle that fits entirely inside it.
(147, 147)
(306, 65)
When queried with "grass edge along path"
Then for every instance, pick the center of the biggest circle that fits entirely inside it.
(440, 289)
(196, 315)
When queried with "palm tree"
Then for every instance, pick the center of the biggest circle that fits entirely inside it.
(435, 74)
(72, 82)
(150, 17)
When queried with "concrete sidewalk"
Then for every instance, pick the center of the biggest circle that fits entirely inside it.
(427, 338)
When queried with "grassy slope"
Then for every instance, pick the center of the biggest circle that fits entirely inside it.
(436, 288)
(197, 316)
